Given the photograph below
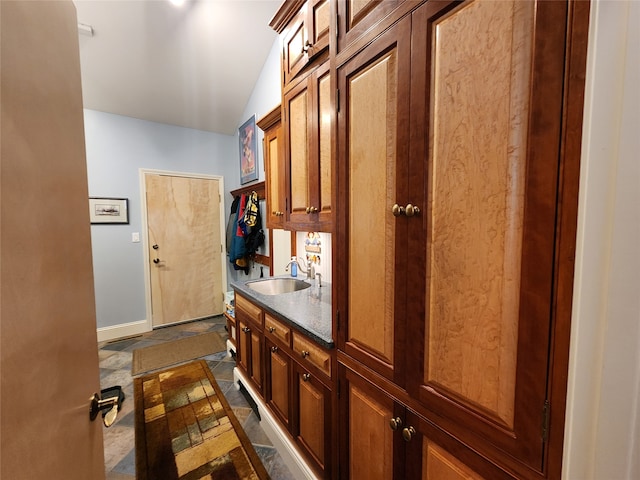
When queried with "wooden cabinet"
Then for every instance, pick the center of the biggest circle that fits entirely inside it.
(312, 427)
(296, 384)
(273, 148)
(404, 444)
(304, 29)
(450, 131)
(278, 382)
(358, 17)
(232, 330)
(250, 340)
(307, 111)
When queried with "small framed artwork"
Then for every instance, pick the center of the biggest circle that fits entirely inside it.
(108, 210)
(248, 151)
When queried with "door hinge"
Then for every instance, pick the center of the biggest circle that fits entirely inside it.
(546, 414)
(337, 100)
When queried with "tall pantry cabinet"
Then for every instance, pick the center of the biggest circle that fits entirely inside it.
(455, 131)
(449, 240)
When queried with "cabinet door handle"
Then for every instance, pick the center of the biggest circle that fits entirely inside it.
(307, 46)
(304, 354)
(274, 349)
(306, 377)
(272, 329)
(246, 329)
(408, 433)
(395, 423)
(410, 210)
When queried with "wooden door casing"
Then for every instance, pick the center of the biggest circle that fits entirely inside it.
(185, 253)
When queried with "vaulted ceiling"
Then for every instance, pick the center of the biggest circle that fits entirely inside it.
(193, 66)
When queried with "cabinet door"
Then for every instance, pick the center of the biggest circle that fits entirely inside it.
(366, 439)
(308, 152)
(249, 352)
(274, 168)
(358, 16)
(373, 139)
(306, 36)
(256, 358)
(484, 169)
(313, 419)
(278, 380)
(244, 346)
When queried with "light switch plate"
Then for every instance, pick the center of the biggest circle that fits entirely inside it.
(135, 237)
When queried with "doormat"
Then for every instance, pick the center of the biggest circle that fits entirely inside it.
(159, 356)
(185, 429)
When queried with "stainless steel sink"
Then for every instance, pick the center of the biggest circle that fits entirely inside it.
(275, 286)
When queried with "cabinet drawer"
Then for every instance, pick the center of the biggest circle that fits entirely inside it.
(277, 329)
(247, 309)
(311, 353)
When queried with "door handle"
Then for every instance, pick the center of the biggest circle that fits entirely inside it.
(112, 404)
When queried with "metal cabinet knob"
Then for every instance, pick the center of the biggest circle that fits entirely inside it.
(395, 423)
(408, 433)
(304, 354)
(411, 210)
(246, 329)
(274, 349)
(272, 329)
(306, 377)
(307, 46)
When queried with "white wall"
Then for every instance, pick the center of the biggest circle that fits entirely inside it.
(602, 438)
(117, 147)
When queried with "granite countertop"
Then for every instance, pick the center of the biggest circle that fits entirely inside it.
(308, 310)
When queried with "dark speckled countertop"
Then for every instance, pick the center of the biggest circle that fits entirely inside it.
(308, 310)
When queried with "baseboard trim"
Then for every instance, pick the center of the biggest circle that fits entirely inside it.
(297, 465)
(123, 330)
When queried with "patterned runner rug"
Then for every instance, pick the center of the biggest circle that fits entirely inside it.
(185, 429)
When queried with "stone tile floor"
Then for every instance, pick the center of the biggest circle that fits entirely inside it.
(115, 369)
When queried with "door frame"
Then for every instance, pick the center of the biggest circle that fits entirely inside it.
(143, 172)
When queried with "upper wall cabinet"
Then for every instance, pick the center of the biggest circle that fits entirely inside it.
(274, 168)
(358, 17)
(307, 109)
(304, 29)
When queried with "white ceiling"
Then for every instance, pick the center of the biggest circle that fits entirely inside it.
(193, 66)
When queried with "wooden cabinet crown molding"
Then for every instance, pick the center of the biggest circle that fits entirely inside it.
(270, 119)
(285, 13)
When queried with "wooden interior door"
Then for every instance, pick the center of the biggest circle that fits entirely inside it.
(48, 342)
(485, 169)
(185, 247)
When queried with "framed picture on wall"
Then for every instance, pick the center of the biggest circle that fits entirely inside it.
(108, 210)
(248, 151)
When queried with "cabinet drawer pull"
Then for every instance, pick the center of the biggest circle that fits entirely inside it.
(408, 433)
(304, 353)
(246, 329)
(395, 423)
(272, 329)
(306, 377)
(274, 349)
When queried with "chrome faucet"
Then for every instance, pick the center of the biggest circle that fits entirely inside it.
(310, 271)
